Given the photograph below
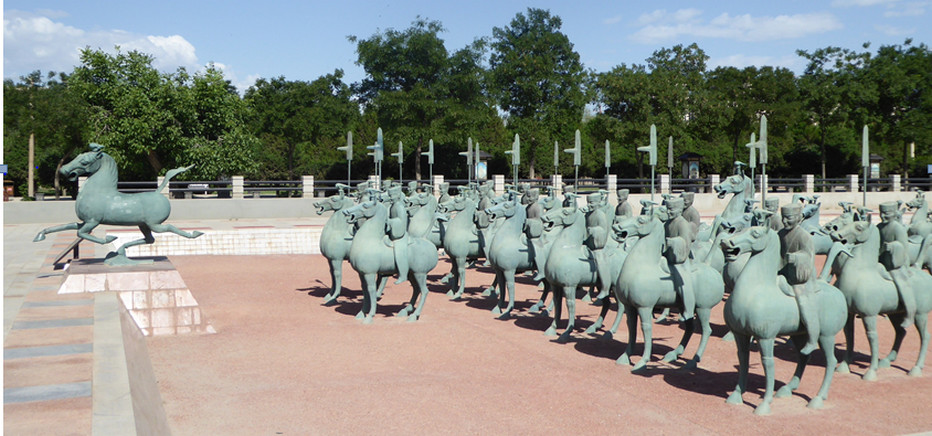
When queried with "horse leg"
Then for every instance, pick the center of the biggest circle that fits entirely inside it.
(365, 297)
(844, 365)
(899, 334)
(647, 328)
(383, 280)
(743, 344)
(870, 325)
(766, 358)
(558, 294)
(336, 278)
(84, 232)
(491, 290)
(409, 308)
(420, 280)
(509, 277)
(606, 306)
(827, 344)
(922, 321)
(370, 291)
(160, 228)
(801, 361)
(500, 298)
(570, 293)
(460, 277)
(663, 315)
(539, 305)
(704, 315)
(631, 318)
(689, 328)
(41, 235)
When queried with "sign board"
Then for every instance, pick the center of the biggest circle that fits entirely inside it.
(482, 171)
(875, 170)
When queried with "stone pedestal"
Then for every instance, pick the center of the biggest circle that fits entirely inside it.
(154, 294)
(808, 183)
(499, 181)
(307, 186)
(438, 180)
(665, 184)
(853, 183)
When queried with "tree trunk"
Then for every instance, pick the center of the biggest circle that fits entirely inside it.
(154, 161)
(905, 162)
(61, 162)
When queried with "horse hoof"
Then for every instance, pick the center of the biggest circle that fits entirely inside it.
(642, 364)
(367, 320)
(550, 332)
(487, 292)
(496, 310)
(915, 372)
(669, 357)
(412, 318)
(402, 313)
(884, 363)
(329, 301)
(39, 237)
(734, 398)
(564, 338)
(729, 337)
(591, 330)
(360, 315)
(608, 336)
(691, 365)
(450, 293)
(505, 316)
(870, 375)
(623, 360)
(763, 409)
(843, 368)
(587, 298)
(196, 233)
(784, 392)
(815, 403)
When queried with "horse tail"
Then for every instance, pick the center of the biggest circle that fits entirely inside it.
(170, 174)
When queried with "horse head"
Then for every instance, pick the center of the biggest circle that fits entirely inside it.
(563, 217)
(852, 232)
(754, 240)
(732, 185)
(744, 221)
(333, 202)
(366, 209)
(918, 202)
(640, 226)
(503, 209)
(86, 163)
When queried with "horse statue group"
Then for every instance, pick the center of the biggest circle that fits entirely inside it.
(645, 262)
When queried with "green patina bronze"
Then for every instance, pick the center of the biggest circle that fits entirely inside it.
(758, 308)
(336, 238)
(99, 202)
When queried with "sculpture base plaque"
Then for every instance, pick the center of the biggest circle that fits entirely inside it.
(153, 293)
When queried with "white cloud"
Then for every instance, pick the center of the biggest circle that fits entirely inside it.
(911, 9)
(37, 42)
(612, 20)
(860, 3)
(894, 31)
(688, 22)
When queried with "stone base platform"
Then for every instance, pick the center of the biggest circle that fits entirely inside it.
(154, 294)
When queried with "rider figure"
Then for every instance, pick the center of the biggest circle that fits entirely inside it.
(798, 255)
(679, 238)
(690, 212)
(623, 209)
(597, 225)
(397, 231)
(533, 228)
(772, 205)
(894, 257)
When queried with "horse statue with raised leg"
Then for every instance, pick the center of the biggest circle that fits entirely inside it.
(336, 238)
(570, 264)
(645, 283)
(462, 240)
(870, 291)
(425, 222)
(99, 202)
(372, 256)
(759, 309)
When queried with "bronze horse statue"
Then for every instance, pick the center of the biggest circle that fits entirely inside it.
(99, 202)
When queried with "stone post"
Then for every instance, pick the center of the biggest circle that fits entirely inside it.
(239, 190)
(307, 186)
(374, 181)
(808, 183)
(438, 179)
(611, 182)
(714, 179)
(556, 183)
(895, 184)
(852, 183)
(158, 182)
(499, 181)
(762, 186)
(665, 184)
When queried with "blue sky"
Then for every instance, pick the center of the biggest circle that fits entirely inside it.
(304, 40)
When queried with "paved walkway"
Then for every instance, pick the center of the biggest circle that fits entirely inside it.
(59, 351)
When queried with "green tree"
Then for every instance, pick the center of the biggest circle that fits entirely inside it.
(47, 109)
(538, 81)
(300, 125)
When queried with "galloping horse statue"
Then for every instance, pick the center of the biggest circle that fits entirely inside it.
(742, 188)
(870, 291)
(425, 222)
(757, 308)
(335, 239)
(645, 282)
(510, 251)
(461, 241)
(374, 260)
(920, 224)
(99, 202)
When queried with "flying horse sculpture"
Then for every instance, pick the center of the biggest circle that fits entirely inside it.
(99, 202)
